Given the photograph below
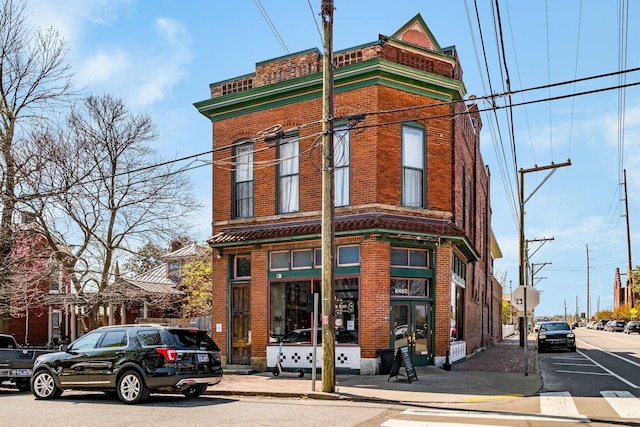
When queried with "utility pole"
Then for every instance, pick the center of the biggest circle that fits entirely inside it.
(328, 230)
(588, 296)
(630, 289)
(524, 327)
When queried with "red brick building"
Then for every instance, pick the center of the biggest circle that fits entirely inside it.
(37, 316)
(413, 241)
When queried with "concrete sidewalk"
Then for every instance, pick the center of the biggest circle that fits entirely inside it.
(492, 372)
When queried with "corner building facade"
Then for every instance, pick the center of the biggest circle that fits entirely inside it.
(413, 242)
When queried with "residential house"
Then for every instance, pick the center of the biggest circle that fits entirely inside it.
(37, 316)
(413, 243)
(155, 294)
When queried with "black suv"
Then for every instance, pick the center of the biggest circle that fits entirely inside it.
(132, 361)
(552, 335)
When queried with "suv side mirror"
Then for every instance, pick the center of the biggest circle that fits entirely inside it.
(64, 347)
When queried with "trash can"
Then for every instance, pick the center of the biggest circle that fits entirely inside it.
(385, 356)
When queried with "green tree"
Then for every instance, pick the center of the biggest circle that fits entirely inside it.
(148, 257)
(506, 312)
(196, 283)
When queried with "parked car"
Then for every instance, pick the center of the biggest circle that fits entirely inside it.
(600, 324)
(132, 361)
(301, 335)
(16, 362)
(616, 326)
(632, 326)
(556, 335)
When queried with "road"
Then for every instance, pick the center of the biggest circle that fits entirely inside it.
(95, 409)
(598, 385)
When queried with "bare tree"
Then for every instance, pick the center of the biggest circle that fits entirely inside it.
(34, 275)
(112, 193)
(34, 78)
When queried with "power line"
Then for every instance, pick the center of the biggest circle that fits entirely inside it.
(274, 30)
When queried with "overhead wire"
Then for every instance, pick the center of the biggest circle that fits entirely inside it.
(491, 108)
(496, 137)
(273, 28)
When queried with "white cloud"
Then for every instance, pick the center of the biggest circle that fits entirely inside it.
(102, 67)
(164, 68)
(70, 17)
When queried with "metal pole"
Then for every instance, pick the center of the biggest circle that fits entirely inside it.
(328, 332)
(314, 338)
(526, 338)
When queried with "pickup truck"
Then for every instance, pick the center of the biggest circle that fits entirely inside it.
(16, 363)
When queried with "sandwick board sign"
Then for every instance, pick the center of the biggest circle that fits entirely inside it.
(403, 358)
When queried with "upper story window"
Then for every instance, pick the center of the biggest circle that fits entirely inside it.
(243, 181)
(413, 166)
(242, 267)
(341, 153)
(459, 270)
(55, 281)
(414, 258)
(288, 175)
(173, 270)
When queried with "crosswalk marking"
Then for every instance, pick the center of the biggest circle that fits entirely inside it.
(558, 403)
(623, 402)
(554, 407)
(434, 412)
(407, 423)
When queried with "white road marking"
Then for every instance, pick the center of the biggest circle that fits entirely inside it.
(609, 370)
(583, 372)
(559, 404)
(623, 402)
(495, 415)
(406, 423)
(612, 354)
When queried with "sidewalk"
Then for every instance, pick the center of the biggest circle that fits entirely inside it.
(497, 370)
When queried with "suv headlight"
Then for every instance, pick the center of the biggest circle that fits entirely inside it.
(542, 336)
(570, 335)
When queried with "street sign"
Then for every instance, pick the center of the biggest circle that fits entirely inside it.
(518, 296)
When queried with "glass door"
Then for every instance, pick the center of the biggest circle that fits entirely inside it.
(411, 327)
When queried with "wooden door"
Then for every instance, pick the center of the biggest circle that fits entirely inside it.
(240, 323)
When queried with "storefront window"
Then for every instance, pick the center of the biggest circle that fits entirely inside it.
(410, 287)
(346, 309)
(288, 309)
(457, 312)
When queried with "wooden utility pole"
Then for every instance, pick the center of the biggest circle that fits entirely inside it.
(630, 290)
(328, 231)
(524, 327)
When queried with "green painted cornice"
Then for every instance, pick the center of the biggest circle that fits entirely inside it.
(354, 76)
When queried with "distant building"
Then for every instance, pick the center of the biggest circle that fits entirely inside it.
(413, 243)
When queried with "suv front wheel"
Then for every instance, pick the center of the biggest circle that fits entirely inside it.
(44, 386)
(131, 388)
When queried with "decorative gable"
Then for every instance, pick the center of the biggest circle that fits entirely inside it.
(416, 32)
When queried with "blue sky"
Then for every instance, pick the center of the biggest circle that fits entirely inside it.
(161, 55)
